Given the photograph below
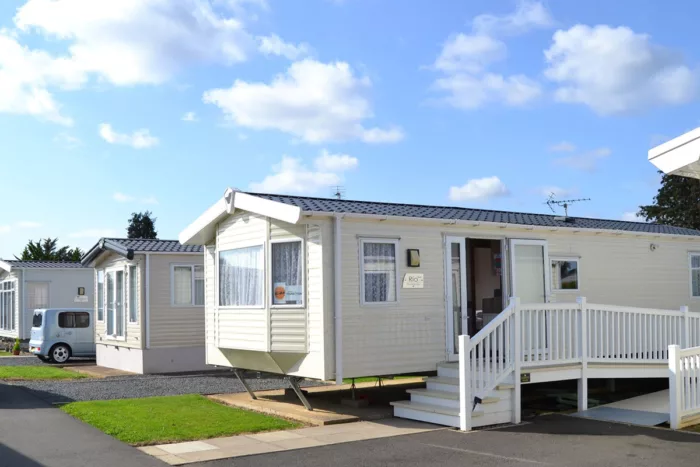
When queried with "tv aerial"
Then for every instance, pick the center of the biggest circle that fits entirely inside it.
(338, 192)
(565, 203)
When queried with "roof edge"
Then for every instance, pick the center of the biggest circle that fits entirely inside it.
(6, 266)
(102, 246)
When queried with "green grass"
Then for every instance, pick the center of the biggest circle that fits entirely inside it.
(157, 420)
(5, 354)
(37, 372)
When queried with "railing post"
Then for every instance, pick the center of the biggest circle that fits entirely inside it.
(517, 359)
(465, 386)
(583, 381)
(686, 329)
(675, 385)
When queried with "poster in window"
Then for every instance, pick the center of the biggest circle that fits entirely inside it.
(287, 294)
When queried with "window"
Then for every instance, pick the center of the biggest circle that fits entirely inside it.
(695, 274)
(114, 305)
(69, 319)
(287, 275)
(37, 295)
(187, 285)
(565, 275)
(7, 305)
(133, 290)
(241, 277)
(119, 304)
(100, 295)
(37, 320)
(379, 271)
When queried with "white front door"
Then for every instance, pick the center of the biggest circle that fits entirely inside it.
(455, 293)
(529, 272)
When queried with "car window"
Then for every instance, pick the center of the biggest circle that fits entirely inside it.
(37, 319)
(82, 320)
(66, 320)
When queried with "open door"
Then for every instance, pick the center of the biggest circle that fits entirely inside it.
(529, 271)
(456, 293)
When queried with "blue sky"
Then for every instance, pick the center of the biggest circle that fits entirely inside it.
(107, 108)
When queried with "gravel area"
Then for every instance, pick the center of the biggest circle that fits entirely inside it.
(126, 387)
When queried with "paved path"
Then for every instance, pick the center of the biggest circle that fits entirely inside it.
(549, 441)
(33, 433)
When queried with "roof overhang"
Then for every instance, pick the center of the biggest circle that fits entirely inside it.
(203, 229)
(5, 266)
(680, 156)
(102, 246)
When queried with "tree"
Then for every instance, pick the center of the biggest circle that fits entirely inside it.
(676, 203)
(142, 225)
(47, 250)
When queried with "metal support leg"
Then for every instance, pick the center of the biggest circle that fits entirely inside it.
(294, 382)
(245, 385)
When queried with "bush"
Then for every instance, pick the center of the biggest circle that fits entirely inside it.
(16, 348)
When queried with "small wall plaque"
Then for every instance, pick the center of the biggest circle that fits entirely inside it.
(81, 290)
(413, 281)
(413, 258)
(525, 377)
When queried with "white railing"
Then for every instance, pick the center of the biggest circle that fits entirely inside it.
(546, 334)
(684, 372)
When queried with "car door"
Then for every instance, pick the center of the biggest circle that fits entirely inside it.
(66, 328)
(84, 341)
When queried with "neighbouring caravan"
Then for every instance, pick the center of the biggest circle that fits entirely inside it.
(29, 285)
(149, 312)
(332, 289)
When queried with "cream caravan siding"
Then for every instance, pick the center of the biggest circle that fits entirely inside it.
(172, 326)
(288, 326)
(410, 335)
(242, 328)
(135, 336)
(214, 356)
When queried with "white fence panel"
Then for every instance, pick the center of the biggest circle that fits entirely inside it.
(684, 371)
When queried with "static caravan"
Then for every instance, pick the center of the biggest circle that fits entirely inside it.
(29, 285)
(333, 289)
(150, 305)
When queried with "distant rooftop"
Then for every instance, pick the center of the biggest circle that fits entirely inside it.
(43, 264)
(147, 245)
(448, 213)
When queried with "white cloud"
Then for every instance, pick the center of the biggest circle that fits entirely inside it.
(94, 233)
(616, 71)
(124, 198)
(139, 139)
(28, 224)
(292, 176)
(274, 45)
(585, 161)
(189, 117)
(314, 101)
(465, 59)
(563, 146)
(632, 217)
(479, 189)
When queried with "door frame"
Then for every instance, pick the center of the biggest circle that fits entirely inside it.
(452, 352)
(512, 243)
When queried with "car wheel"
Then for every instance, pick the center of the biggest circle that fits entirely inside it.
(60, 353)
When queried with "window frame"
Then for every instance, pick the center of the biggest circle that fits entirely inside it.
(263, 305)
(577, 259)
(10, 292)
(690, 272)
(114, 271)
(137, 298)
(302, 256)
(396, 243)
(192, 286)
(104, 296)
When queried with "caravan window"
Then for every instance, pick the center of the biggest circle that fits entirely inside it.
(7, 305)
(287, 273)
(379, 271)
(565, 274)
(242, 277)
(695, 274)
(187, 285)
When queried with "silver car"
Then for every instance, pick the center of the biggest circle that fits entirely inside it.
(61, 333)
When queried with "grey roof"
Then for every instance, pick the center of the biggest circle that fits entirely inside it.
(308, 204)
(145, 245)
(44, 264)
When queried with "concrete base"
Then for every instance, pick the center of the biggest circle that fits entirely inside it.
(162, 360)
(356, 403)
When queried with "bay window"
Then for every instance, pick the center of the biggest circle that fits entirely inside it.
(378, 271)
(133, 290)
(287, 273)
(100, 295)
(187, 285)
(242, 277)
(116, 293)
(7, 305)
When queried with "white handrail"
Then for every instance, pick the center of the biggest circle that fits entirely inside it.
(684, 374)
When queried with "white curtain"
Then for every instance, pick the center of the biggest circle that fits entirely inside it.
(241, 277)
(7, 305)
(133, 289)
(199, 285)
(287, 273)
(110, 302)
(379, 272)
(37, 295)
(183, 285)
(100, 295)
(120, 304)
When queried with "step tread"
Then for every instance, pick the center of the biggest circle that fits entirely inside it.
(433, 393)
(433, 408)
(443, 380)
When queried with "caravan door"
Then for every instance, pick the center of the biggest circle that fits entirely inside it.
(455, 293)
(529, 272)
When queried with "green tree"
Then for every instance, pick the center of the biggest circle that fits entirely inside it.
(142, 225)
(47, 250)
(676, 203)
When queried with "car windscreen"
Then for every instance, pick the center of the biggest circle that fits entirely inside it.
(36, 321)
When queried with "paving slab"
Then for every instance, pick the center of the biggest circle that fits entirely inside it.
(645, 410)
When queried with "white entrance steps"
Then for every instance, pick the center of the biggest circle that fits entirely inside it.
(439, 402)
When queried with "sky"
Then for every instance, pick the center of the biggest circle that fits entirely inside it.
(109, 108)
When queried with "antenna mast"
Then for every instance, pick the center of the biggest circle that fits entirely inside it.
(339, 192)
(565, 203)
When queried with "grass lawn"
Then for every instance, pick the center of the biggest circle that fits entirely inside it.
(5, 354)
(37, 372)
(157, 420)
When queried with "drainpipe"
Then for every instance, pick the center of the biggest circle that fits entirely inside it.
(148, 301)
(337, 296)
